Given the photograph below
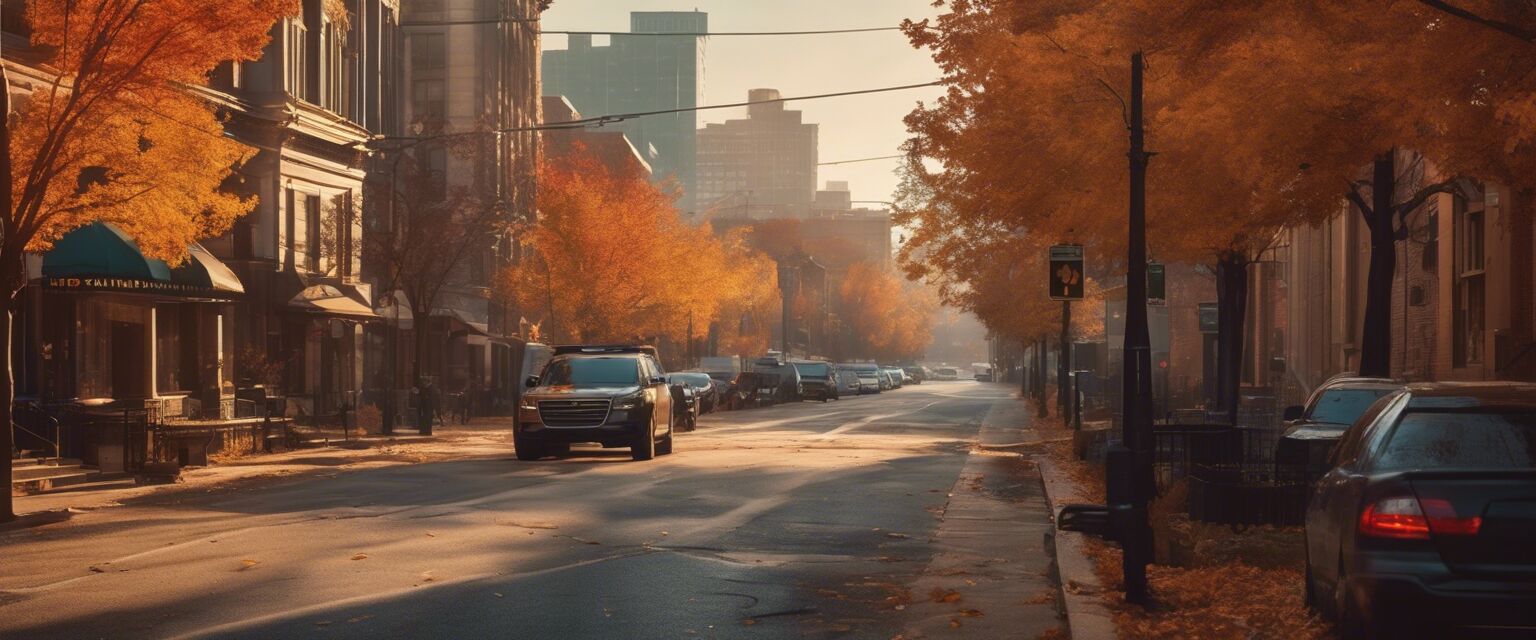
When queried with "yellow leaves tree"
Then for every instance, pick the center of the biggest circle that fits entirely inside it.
(885, 318)
(115, 134)
(613, 262)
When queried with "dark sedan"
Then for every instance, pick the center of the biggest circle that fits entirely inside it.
(1426, 524)
(1301, 455)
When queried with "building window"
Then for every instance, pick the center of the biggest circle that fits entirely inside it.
(298, 59)
(428, 52)
(1470, 295)
(428, 100)
(313, 237)
(291, 229)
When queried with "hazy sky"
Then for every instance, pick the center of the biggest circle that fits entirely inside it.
(851, 127)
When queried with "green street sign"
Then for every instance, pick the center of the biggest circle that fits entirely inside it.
(1066, 275)
(1157, 284)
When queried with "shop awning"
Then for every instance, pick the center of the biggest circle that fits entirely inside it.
(461, 317)
(324, 299)
(101, 257)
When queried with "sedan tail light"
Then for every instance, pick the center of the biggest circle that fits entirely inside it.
(1411, 518)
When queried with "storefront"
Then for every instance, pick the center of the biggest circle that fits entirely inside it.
(103, 326)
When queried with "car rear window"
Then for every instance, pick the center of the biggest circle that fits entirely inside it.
(1461, 440)
(1344, 406)
(813, 369)
(589, 372)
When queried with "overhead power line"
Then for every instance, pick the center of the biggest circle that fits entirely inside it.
(827, 164)
(697, 34)
(620, 117)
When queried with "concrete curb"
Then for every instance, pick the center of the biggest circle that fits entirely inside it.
(36, 519)
(1087, 615)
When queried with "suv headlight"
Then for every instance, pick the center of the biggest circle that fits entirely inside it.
(527, 405)
(631, 401)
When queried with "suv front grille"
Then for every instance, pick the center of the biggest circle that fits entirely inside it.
(573, 413)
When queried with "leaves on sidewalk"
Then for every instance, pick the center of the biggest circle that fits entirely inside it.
(360, 556)
(940, 594)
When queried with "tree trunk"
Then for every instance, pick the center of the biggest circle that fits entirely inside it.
(1376, 334)
(8, 380)
(1232, 309)
(418, 373)
(1024, 387)
(8, 384)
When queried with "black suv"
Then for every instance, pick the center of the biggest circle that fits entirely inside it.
(616, 396)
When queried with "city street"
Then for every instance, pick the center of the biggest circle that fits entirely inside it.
(870, 517)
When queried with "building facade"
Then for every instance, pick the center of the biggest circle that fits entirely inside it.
(612, 148)
(469, 104)
(764, 164)
(1460, 294)
(636, 73)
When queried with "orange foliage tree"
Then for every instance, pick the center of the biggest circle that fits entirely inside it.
(1261, 114)
(116, 136)
(613, 262)
(884, 318)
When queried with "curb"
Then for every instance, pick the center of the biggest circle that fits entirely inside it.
(1088, 617)
(36, 519)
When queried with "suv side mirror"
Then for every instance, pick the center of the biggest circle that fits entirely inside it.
(531, 382)
(1292, 412)
(658, 380)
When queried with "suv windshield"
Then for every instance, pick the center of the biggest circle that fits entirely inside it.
(592, 372)
(813, 369)
(1344, 406)
(1457, 440)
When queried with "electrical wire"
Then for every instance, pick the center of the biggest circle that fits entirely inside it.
(617, 118)
(827, 164)
(696, 34)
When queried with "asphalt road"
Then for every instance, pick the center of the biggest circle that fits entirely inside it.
(809, 520)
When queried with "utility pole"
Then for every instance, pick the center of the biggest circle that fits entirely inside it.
(1129, 471)
(1064, 361)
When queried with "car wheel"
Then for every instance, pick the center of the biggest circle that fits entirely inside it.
(665, 446)
(526, 449)
(644, 447)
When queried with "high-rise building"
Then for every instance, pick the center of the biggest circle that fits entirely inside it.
(636, 73)
(761, 166)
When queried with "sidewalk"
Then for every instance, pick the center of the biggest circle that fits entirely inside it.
(482, 437)
(991, 576)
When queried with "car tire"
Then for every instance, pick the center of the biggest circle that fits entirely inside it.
(665, 446)
(527, 450)
(644, 446)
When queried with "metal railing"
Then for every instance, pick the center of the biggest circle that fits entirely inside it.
(40, 422)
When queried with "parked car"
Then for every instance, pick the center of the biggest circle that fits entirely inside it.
(1423, 526)
(816, 380)
(894, 375)
(946, 373)
(1301, 455)
(916, 374)
(784, 374)
(871, 380)
(847, 380)
(616, 396)
(703, 387)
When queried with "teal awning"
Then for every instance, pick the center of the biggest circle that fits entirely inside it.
(100, 256)
(101, 249)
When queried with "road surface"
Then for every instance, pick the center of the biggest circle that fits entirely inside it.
(870, 517)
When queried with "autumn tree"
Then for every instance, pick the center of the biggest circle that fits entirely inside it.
(612, 261)
(886, 319)
(115, 135)
(1261, 116)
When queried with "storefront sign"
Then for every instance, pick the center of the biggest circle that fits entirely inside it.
(130, 285)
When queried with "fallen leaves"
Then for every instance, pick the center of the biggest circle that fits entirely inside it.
(360, 556)
(940, 594)
(247, 564)
(971, 613)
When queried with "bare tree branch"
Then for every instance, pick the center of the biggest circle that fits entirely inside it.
(1500, 26)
